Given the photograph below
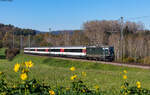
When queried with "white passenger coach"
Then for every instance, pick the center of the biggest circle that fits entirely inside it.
(64, 51)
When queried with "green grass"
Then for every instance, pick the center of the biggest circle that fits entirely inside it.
(56, 72)
(2, 53)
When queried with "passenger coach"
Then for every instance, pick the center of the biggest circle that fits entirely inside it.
(57, 51)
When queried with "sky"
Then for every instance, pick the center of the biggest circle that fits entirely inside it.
(70, 14)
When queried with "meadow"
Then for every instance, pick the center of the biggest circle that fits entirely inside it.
(56, 72)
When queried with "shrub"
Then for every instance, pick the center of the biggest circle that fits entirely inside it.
(10, 56)
(11, 53)
(128, 59)
(16, 51)
(146, 60)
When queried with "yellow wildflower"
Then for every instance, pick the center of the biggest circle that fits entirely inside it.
(73, 77)
(125, 71)
(29, 64)
(125, 77)
(84, 74)
(23, 76)
(51, 92)
(16, 67)
(72, 69)
(138, 84)
(96, 87)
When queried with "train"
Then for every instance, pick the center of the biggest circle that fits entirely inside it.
(103, 53)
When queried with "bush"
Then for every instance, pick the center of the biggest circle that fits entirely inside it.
(128, 59)
(11, 53)
(16, 51)
(10, 56)
(146, 60)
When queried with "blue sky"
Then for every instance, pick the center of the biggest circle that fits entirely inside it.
(70, 14)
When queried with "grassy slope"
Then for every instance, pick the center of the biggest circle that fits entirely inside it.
(56, 72)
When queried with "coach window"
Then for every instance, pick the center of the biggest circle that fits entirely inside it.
(73, 50)
(32, 49)
(55, 50)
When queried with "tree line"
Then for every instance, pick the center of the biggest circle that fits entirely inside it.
(135, 45)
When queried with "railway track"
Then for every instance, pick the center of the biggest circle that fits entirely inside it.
(134, 65)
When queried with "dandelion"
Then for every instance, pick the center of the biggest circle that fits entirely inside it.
(125, 71)
(72, 69)
(23, 76)
(124, 77)
(73, 77)
(138, 84)
(51, 92)
(29, 64)
(84, 74)
(16, 67)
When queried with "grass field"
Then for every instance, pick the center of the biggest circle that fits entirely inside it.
(56, 72)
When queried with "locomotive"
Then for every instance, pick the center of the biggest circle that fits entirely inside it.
(105, 53)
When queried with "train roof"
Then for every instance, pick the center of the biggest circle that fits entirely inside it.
(58, 47)
(103, 46)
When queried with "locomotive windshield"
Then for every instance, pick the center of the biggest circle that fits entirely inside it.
(111, 50)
